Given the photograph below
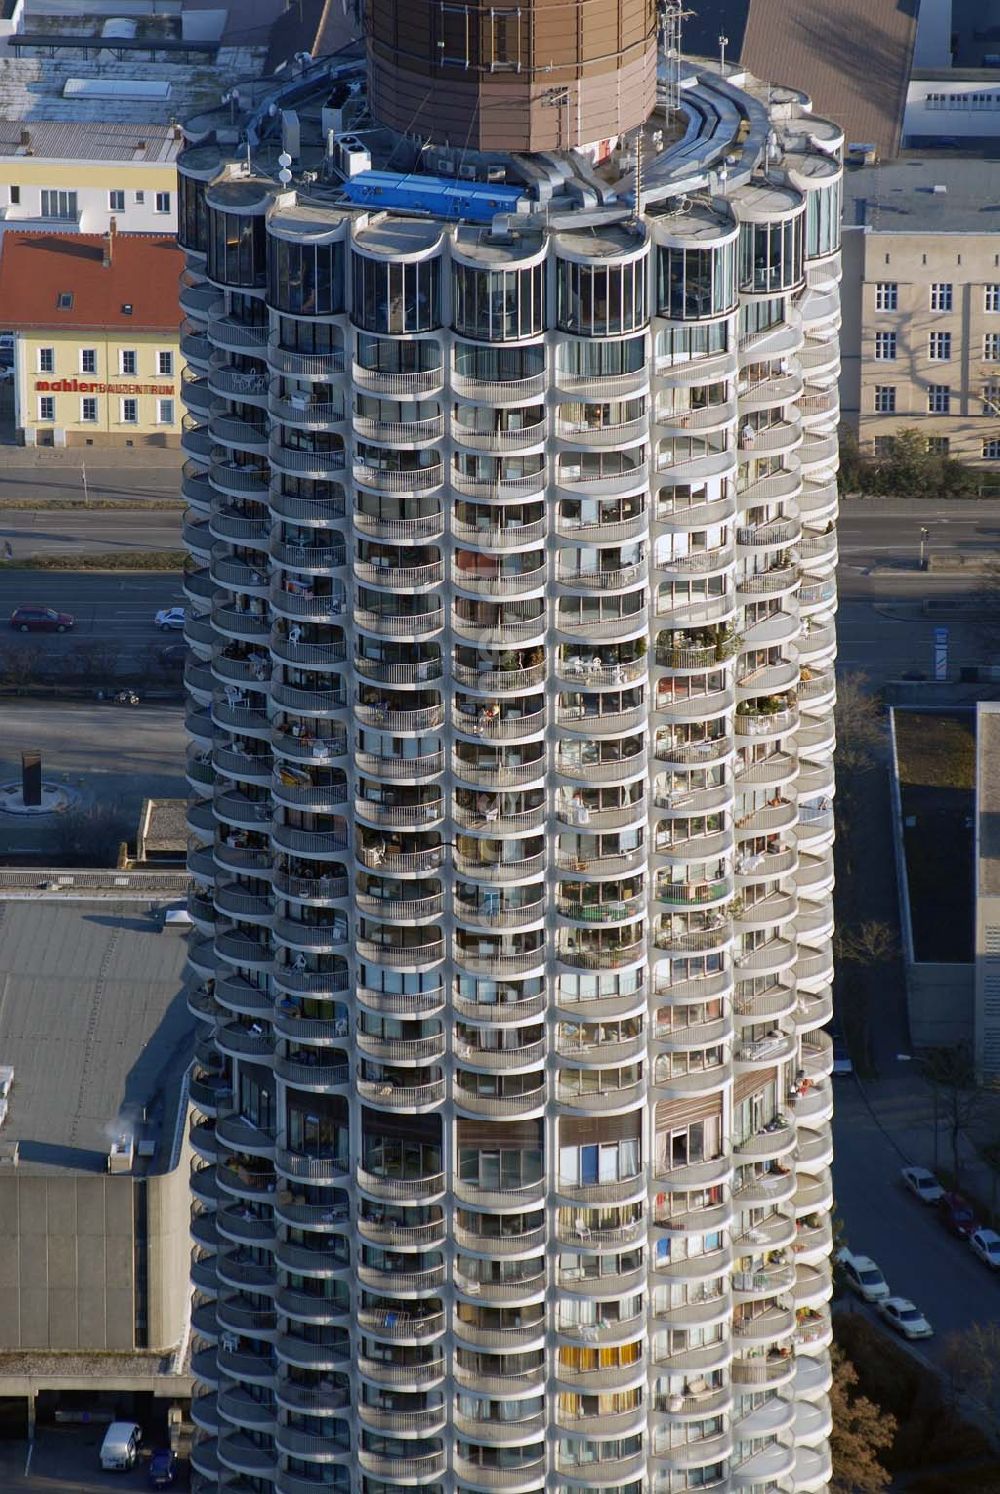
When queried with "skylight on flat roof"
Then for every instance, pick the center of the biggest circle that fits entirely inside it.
(116, 88)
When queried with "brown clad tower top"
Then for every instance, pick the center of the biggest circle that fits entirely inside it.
(543, 75)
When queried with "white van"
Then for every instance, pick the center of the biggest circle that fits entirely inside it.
(120, 1447)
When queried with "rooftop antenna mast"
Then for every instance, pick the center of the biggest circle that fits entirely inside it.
(674, 16)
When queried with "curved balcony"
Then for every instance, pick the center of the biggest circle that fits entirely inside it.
(492, 537)
(499, 391)
(498, 583)
(398, 385)
(399, 480)
(633, 524)
(300, 409)
(322, 366)
(499, 442)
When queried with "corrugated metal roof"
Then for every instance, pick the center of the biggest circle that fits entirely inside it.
(852, 58)
(89, 140)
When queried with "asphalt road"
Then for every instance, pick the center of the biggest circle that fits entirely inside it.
(106, 604)
(63, 532)
(66, 1460)
(918, 1257)
(19, 479)
(877, 531)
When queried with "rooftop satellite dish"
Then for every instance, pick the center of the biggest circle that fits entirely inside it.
(284, 176)
(284, 159)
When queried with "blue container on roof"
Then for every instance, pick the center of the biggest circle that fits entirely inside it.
(441, 196)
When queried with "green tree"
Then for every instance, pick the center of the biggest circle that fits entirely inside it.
(861, 1430)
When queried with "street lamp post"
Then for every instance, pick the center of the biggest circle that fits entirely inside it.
(924, 536)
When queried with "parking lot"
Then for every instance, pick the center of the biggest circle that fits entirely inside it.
(66, 1461)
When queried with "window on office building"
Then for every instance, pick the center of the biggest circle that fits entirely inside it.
(15, 196)
(885, 346)
(165, 412)
(991, 297)
(938, 399)
(46, 360)
(885, 399)
(939, 347)
(991, 347)
(938, 445)
(130, 411)
(116, 201)
(128, 360)
(88, 409)
(46, 407)
(88, 360)
(941, 297)
(165, 364)
(991, 449)
(886, 295)
(163, 202)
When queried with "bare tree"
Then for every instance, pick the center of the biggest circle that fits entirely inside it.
(869, 943)
(96, 658)
(858, 721)
(972, 1360)
(21, 664)
(956, 1096)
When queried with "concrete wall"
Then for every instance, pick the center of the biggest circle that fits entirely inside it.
(940, 998)
(961, 106)
(170, 1250)
(988, 889)
(66, 1262)
(932, 43)
(853, 260)
(940, 1001)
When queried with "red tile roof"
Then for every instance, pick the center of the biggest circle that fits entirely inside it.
(37, 269)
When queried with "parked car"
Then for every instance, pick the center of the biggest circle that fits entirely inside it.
(40, 620)
(863, 1276)
(120, 1447)
(923, 1183)
(162, 1470)
(986, 1244)
(169, 618)
(957, 1214)
(174, 656)
(900, 1313)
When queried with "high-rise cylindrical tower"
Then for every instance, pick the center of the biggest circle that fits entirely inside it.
(511, 610)
(544, 75)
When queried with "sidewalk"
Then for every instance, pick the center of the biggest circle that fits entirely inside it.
(101, 458)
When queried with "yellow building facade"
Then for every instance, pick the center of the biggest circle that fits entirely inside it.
(77, 175)
(96, 338)
(84, 389)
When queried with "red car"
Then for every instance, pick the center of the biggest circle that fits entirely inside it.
(40, 620)
(957, 1215)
